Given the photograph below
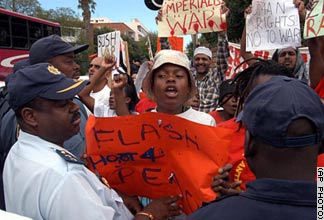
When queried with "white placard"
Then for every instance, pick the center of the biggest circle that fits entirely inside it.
(272, 24)
(109, 44)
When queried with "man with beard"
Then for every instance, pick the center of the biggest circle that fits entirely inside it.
(289, 57)
(208, 79)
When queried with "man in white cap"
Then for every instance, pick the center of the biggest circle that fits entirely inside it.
(208, 79)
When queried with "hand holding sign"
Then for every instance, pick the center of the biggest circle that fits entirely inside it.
(224, 9)
(247, 11)
(108, 62)
(301, 9)
(220, 183)
(181, 17)
(273, 24)
(314, 23)
(156, 155)
(164, 208)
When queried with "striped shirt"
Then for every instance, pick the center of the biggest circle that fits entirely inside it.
(208, 87)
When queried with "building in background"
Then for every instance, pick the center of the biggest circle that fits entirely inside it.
(134, 29)
(71, 34)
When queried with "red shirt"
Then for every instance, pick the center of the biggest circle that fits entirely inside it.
(144, 104)
(320, 88)
(218, 118)
(241, 170)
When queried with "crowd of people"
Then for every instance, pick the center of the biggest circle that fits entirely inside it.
(274, 109)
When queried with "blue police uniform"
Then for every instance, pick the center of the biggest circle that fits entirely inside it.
(44, 181)
(265, 199)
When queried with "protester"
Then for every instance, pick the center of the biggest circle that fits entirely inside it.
(316, 63)
(104, 68)
(101, 88)
(236, 173)
(170, 84)
(40, 176)
(134, 69)
(285, 129)
(130, 97)
(144, 104)
(193, 102)
(316, 66)
(227, 102)
(207, 79)
(128, 93)
(289, 57)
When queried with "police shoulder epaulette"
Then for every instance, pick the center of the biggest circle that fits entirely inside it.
(68, 157)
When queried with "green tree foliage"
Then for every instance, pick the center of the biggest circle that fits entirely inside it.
(27, 7)
(88, 7)
(65, 16)
(144, 45)
(138, 50)
(236, 21)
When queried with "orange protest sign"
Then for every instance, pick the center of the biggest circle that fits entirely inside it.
(156, 155)
(175, 43)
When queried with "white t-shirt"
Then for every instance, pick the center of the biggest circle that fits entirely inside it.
(100, 97)
(102, 110)
(196, 116)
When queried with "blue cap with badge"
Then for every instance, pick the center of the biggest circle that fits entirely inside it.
(40, 80)
(52, 46)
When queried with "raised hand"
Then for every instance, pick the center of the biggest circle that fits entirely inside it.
(159, 16)
(301, 9)
(108, 62)
(247, 11)
(225, 10)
